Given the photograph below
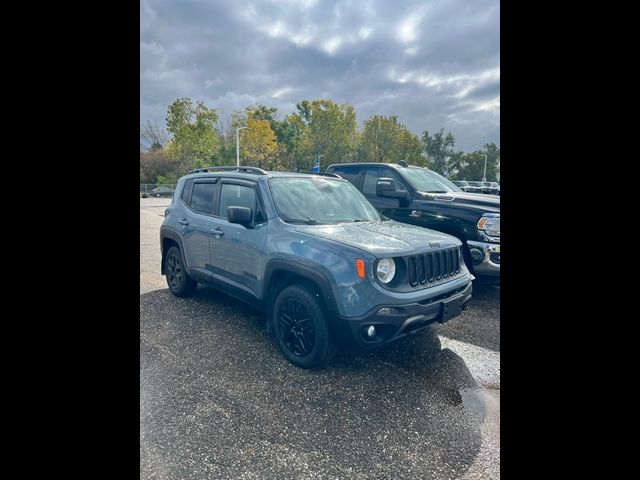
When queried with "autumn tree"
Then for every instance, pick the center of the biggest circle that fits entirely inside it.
(259, 145)
(155, 164)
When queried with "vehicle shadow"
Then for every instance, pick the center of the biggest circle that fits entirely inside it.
(480, 323)
(218, 399)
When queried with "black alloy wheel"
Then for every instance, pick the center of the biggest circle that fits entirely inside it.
(178, 280)
(300, 327)
(296, 328)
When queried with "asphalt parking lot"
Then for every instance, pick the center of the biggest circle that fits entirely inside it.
(218, 400)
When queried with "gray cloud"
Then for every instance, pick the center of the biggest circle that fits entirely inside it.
(433, 64)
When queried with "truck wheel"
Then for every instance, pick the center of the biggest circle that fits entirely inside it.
(300, 327)
(179, 281)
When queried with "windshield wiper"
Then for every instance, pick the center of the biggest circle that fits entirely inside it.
(306, 221)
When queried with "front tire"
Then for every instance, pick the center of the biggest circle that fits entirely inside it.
(300, 327)
(178, 280)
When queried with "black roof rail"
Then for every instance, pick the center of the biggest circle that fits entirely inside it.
(229, 169)
(402, 163)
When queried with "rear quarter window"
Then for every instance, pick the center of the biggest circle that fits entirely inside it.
(186, 192)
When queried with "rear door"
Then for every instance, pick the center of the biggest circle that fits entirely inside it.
(196, 224)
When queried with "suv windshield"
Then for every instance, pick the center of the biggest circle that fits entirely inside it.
(425, 180)
(320, 201)
(476, 184)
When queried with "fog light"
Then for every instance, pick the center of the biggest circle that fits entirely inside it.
(477, 255)
(371, 331)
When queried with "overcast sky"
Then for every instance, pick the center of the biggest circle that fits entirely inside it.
(432, 63)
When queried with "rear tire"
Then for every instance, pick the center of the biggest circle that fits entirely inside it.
(178, 280)
(300, 327)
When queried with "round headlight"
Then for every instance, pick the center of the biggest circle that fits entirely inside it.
(386, 270)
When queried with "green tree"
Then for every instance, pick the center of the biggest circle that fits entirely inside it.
(329, 130)
(470, 166)
(195, 140)
(438, 147)
(289, 133)
(385, 140)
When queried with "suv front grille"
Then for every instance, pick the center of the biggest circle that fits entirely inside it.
(433, 267)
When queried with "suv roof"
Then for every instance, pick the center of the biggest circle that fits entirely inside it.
(372, 164)
(253, 172)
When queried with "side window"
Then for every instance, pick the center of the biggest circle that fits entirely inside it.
(372, 176)
(202, 199)
(349, 173)
(240, 196)
(186, 191)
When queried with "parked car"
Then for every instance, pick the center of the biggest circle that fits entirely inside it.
(490, 188)
(465, 187)
(476, 187)
(421, 197)
(162, 192)
(314, 254)
(493, 188)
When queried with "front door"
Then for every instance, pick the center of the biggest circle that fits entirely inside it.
(393, 208)
(237, 252)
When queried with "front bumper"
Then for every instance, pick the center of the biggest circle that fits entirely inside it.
(487, 258)
(395, 321)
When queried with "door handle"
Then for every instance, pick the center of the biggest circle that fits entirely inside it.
(184, 221)
(216, 231)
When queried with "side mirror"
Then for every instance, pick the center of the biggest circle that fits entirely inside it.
(240, 215)
(386, 187)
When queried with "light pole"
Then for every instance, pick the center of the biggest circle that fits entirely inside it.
(484, 175)
(318, 157)
(238, 144)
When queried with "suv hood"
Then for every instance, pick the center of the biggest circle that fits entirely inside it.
(382, 239)
(487, 203)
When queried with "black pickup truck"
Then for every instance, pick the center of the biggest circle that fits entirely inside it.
(419, 196)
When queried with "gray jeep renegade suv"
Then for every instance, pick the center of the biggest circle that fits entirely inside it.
(310, 251)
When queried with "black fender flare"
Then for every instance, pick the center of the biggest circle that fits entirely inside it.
(171, 234)
(314, 275)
